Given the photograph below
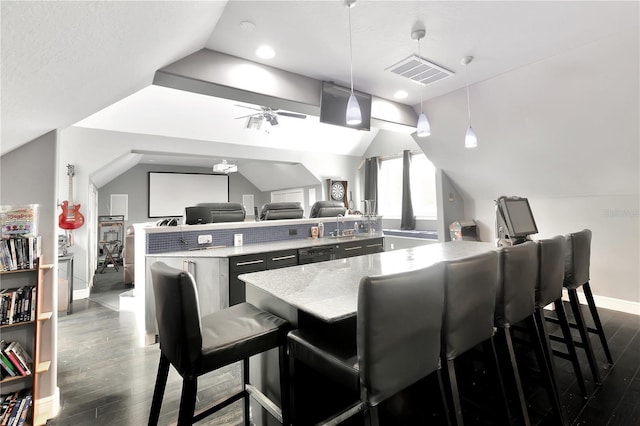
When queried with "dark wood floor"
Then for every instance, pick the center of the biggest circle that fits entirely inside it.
(105, 379)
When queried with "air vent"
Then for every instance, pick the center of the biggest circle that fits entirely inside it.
(420, 70)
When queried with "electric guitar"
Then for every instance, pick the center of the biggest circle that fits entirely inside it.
(70, 218)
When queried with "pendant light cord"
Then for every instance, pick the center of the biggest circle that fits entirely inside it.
(466, 74)
(419, 57)
(350, 50)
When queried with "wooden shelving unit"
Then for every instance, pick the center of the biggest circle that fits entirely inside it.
(28, 333)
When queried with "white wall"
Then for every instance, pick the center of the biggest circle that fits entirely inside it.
(28, 176)
(568, 139)
(92, 150)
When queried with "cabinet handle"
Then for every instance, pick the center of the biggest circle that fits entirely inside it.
(291, 256)
(374, 245)
(352, 248)
(250, 262)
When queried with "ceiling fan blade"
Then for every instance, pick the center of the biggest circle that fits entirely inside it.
(248, 107)
(250, 115)
(291, 114)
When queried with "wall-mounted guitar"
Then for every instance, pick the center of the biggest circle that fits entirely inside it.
(70, 218)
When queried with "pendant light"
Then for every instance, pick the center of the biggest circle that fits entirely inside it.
(353, 116)
(470, 139)
(423, 129)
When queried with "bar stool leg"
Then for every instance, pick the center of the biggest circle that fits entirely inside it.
(516, 376)
(158, 392)
(188, 400)
(371, 417)
(245, 380)
(443, 396)
(571, 348)
(584, 334)
(596, 319)
(490, 346)
(285, 404)
(546, 365)
(452, 384)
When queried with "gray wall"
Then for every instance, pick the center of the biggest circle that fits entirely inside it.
(134, 182)
(566, 138)
(28, 176)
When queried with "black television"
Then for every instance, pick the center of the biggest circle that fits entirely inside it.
(197, 215)
(517, 216)
(333, 106)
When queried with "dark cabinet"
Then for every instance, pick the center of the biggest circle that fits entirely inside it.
(241, 265)
(282, 259)
(359, 248)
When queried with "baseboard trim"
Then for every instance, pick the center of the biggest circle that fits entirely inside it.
(48, 407)
(80, 294)
(605, 302)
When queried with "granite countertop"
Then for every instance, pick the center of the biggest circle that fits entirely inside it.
(329, 290)
(219, 251)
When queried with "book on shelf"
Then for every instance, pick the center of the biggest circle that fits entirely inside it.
(7, 366)
(18, 252)
(19, 357)
(14, 408)
(17, 305)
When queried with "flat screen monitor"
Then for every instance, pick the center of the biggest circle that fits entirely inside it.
(196, 215)
(333, 106)
(518, 216)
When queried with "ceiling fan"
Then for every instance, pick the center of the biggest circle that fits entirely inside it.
(269, 114)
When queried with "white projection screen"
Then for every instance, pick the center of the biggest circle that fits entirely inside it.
(170, 193)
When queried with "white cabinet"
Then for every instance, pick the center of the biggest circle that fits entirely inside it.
(212, 281)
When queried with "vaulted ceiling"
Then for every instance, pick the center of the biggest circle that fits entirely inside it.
(62, 62)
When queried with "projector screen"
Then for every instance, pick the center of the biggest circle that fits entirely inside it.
(170, 193)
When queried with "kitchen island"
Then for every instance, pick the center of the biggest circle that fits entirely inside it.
(322, 298)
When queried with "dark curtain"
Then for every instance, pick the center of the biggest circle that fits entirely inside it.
(408, 219)
(371, 181)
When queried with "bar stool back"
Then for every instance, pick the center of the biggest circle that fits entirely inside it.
(470, 297)
(549, 290)
(576, 275)
(515, 302)
(398, 340)
(196, 346)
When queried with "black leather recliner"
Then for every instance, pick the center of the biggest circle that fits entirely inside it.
(327, 209)
(283, 210)
(225, 212)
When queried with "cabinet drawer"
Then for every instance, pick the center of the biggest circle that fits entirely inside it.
(281, 259)
(360, 248)
(248, 263)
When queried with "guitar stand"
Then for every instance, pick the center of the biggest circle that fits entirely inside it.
(108, 258)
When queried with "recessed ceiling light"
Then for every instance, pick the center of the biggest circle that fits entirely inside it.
(400, 94)
(265, 52)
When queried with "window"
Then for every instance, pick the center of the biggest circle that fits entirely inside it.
(423, 187)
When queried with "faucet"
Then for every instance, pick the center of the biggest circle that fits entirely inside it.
(338, 224)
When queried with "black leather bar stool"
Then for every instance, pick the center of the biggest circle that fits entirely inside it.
(470, 297)
(398, 340)
(515, 302)
(576, 275)
(549, 290)
(196, 346)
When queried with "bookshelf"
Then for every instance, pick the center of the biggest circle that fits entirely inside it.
(26, 330)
